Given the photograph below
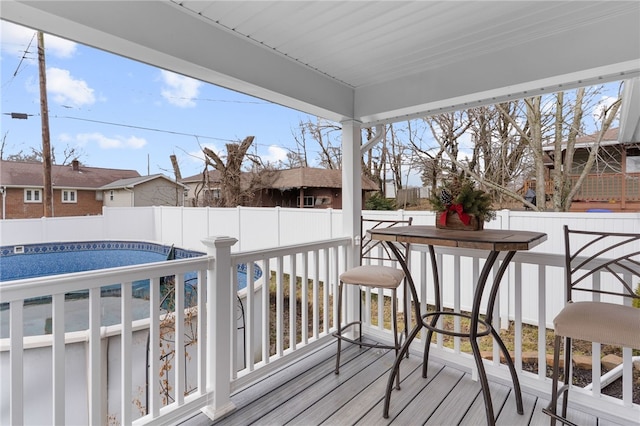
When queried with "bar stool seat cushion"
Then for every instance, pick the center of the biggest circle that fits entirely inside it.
(373, 276)
(605, 323)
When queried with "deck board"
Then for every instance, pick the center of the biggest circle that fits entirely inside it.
(409, 407)
(476, 413)
(314, 401)
(308, 392)
(262, 403)
(452, 410)
(342, 396)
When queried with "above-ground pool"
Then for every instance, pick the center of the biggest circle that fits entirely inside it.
(37, 260)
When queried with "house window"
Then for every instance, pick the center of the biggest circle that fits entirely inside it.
(308, 201)
(633, 160)
(69, 196)
(32, 195)
(111, 195)
(211, 194)
(323, 201)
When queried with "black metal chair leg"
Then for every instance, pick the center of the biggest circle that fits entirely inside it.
(553, 406)
(339, 328)
(568, 375)
(396, 368)
(394, 321)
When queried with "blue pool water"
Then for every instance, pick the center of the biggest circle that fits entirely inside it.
(37, 260)
(54, 263)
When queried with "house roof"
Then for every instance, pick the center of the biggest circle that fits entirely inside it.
(30, 174)
(133, 181)
(309, 177)
(610, 138)
(214, 176)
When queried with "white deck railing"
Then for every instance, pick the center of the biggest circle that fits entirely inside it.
(44, 380)
(96, 374)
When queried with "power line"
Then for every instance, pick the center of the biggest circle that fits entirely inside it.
(172, 132)
(24, 55)
(151, 129)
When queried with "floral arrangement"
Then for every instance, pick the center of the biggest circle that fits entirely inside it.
(459, 195)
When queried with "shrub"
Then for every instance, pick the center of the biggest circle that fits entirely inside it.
(378, 202)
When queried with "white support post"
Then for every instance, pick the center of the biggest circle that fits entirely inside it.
(351, 205)
(219, 316)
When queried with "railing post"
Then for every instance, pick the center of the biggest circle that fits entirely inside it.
(219, 325)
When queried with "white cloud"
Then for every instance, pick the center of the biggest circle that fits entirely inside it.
(604, 103)
(104, 142)
(275, 154)
(59, 47)
(198, 156)
(179, 90)
(66, 90)
(16, 39)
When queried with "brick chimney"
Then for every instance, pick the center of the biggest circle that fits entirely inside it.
(75, 165)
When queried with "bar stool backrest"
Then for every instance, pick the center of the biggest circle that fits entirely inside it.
(605, 264)
(376, 252)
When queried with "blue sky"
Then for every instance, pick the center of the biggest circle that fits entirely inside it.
(102, 104)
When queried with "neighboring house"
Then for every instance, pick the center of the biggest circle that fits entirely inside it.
(614, 180)
(76, 188)
(300, 187)
(203, 189)
(309, 188)
(140, 191)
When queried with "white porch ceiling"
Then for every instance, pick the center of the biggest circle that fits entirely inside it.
(368, 61)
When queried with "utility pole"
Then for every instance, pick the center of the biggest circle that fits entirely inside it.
(46, 144)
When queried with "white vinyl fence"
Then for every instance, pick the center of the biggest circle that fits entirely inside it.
(258, 228)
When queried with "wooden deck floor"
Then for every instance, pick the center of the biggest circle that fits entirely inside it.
(308, 392)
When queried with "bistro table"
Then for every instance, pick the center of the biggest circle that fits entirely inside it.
(492, 240)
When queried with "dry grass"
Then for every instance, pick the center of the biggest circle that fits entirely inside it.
(529, 332)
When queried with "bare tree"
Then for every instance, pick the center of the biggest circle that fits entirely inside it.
(446, 129)
(327, 135)
(298, 157)
(3, 145)
(559, 121)
(231, 170)
(68, 154)
(374, 160)
(609, 115)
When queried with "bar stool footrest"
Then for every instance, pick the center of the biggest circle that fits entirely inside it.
(437, 314)
(374, 345)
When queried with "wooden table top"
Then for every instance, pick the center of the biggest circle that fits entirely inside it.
(488, 239)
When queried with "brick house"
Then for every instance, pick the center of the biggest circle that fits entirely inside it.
(76, 189)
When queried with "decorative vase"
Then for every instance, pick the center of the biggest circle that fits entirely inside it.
(454, 222)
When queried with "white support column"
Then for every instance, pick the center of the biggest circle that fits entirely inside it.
(351, 205)
(219, 316)
(351, 177)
